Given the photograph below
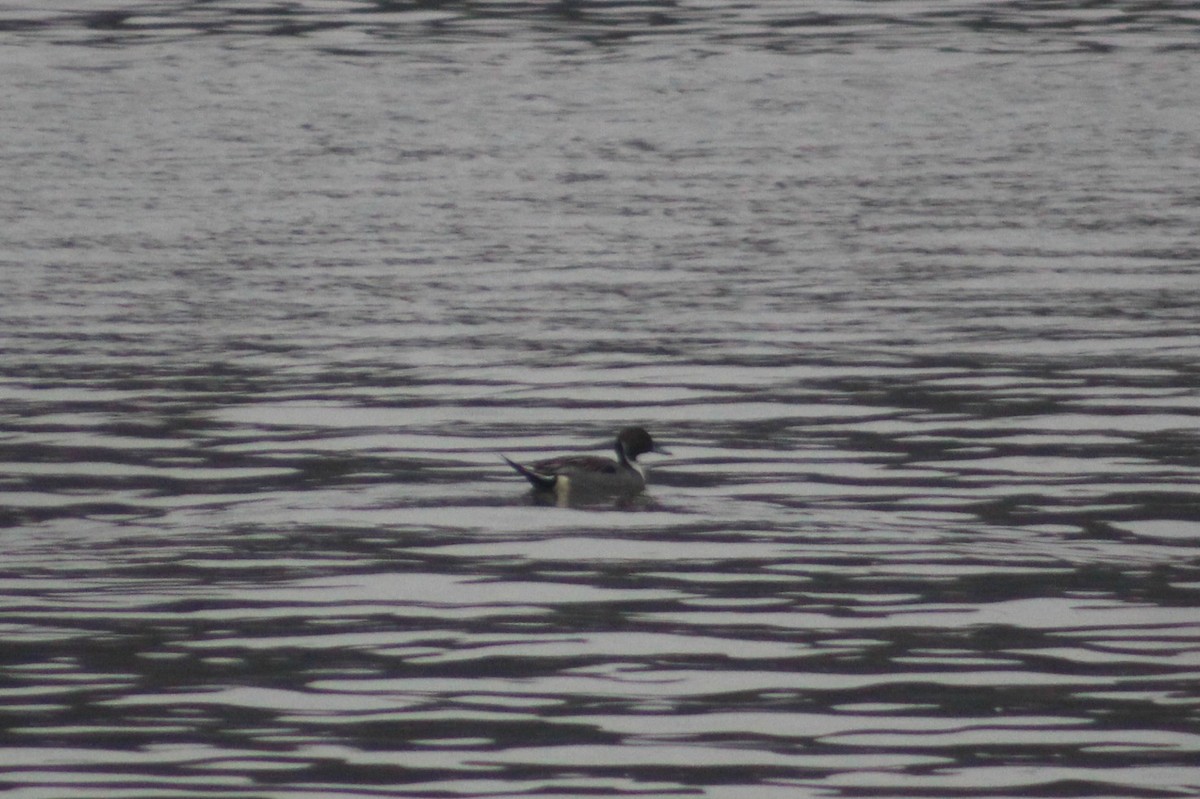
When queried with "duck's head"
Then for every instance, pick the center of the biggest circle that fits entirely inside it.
(634, 441)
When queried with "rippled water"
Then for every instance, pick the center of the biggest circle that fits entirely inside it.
(911, 291)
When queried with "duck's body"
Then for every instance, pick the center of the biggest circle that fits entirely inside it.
(576, 475)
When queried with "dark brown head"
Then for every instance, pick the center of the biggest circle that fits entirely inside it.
(634, 441)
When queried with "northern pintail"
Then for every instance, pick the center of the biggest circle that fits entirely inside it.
(590, 474)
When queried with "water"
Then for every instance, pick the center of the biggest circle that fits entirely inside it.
(912, 292)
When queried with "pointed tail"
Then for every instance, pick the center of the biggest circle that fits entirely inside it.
(544, 482)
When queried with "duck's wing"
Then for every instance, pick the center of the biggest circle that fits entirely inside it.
(544, 475)
(593, 464)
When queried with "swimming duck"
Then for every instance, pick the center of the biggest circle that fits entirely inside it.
(592, 474)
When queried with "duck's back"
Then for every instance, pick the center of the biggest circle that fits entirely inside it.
(572, 464)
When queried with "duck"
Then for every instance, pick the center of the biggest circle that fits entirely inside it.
(591, 474)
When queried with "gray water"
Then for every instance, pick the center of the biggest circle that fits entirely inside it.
(911, 291)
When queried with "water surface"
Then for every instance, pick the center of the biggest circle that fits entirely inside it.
(910, 290)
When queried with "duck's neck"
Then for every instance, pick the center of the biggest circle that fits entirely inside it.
(626, 461)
